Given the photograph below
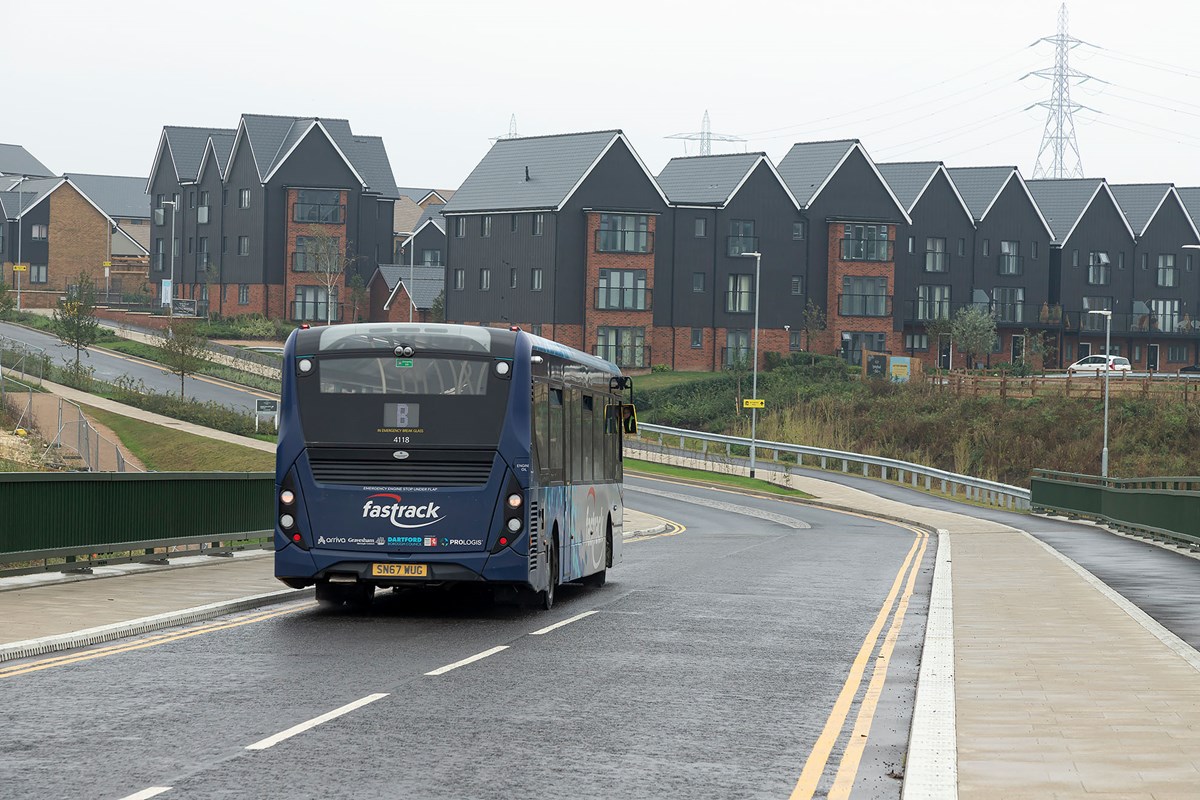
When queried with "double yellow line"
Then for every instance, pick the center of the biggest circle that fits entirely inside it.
(814, 767)
(139, 644)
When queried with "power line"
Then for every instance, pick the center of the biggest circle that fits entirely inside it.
(1141, 61)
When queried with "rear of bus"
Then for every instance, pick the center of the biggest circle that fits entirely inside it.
(403, 458)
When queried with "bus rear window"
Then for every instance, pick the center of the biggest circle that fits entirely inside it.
(407, 376)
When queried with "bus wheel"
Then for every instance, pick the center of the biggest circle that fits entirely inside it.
(546, 596)
(329, 595)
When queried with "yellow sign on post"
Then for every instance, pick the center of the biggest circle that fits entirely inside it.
(20, 267)
(749, 403)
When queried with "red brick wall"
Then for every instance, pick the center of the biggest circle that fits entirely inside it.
(839, 269)
(293, 279)
(595, 318)
(78, 240)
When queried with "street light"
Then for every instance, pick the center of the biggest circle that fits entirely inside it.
(174, 204)
(1107, 339)
(20, 219)
(754, 368)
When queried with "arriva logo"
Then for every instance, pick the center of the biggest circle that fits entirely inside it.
(397, 513)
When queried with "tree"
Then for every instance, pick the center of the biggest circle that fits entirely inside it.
(358, 296)
(814, 320)
(437, 311)
(74, 321)
(7, 302)
(973, 330)
(1037, 343)
(325, 258)
(183, 349)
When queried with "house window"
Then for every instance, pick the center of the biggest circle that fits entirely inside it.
(431, 257)
(1187, 263)
(697, 281)
(798, 230)
(866, 243)
(485, 225)
(1074, 258)
(933, 302)
(794, 340)
(535, 279)
(512, 278)
(912, 244)
(1009, 303)
(1033, 250)
(316, 254)
(700, 229)
(1094, 322)
(538, 221)
(535, 328)
(987, 247)
(1164, 315)
(485, 279)
(315, 303)
(1168, 277)
(863, 296)
(916, 341)
(739, 296)
(244, 198)
(192, 199)
(243, 294)
(322, 206)
(741, 237)
(797, 284)
(224, 197)
(622, 289)
(39, 233)
(935, 255)
(460, 279)
(624, 233)
(243, 245)
(159, 199)
(1145, 261)
(854, 343)
(1178, 353)
(158, 254)
(512, 223)
(1099, 268)
(737, 347)
(191, 245)
(625, 347)
(37, 273)
(1121, 260)
(460, 227)
(1010, 258)
(697, 338)
(224, 244)
(202, 261)
(962, 247)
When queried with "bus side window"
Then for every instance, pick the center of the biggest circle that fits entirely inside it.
(598, 473)
(575, 426)
(541, 429)
(555, 439)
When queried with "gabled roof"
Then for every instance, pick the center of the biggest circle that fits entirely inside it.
(1063, 202)
(116, 196)
(116, 189)
(1140, 202)
(16, 160)
(435, 219)
(419, 195)
(707, 180)
(219, 147)
(185, 147)
(30, 193)
(809, 166)
(910, 179)
(405, 215)
(1190, 197)
(536, 172)
(426, 283)
(980, 186)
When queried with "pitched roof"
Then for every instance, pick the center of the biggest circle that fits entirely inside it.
(405, 214)
(417, 194)
(16, 160)
(187, 148)
(1140, 201)
(222, 148)
(432, 214)
(809, 166)
(1064, 200)
(979, 186)
(706, 180)
(116, 195)
(908, 178)
(427, 282)
(1190, 195)
(31, 192)
(533, 172)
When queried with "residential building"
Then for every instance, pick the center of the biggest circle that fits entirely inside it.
(426, 244)
(405, 293)
(411, 211)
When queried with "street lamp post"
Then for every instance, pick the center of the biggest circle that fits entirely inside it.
(174, 204)
(20, 219)
(754, 366)
(1107, 342)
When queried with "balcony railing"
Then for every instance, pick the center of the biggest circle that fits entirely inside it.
(319, 212)
(313, 310)
(203, 261)
(1010, 264)
(623, 241)
(865, 305)
(937, 261)
(736, 245)
(866, 250)
(739, 302)
(1148, 323)
(928, 309)
(612, 298)
(625, 356)
(202, 215)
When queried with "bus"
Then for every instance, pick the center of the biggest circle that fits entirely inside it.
(435, 455)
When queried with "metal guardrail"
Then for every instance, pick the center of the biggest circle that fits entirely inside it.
(1162, 508)
(990, 493)
(245, 354)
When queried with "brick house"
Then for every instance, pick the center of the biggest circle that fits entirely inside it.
(405, 293)
(411, 211)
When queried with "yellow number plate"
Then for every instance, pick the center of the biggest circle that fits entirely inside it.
(400, 570)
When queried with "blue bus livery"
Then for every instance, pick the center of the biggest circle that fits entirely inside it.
(422, 454)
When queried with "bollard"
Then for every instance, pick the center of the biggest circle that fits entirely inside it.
(845, 465)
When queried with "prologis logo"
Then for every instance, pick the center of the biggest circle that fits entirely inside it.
(400, 515)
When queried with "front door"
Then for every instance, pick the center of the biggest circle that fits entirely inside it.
(1018, 349)
(1152, 357)
(1085, 349)
(944, 351)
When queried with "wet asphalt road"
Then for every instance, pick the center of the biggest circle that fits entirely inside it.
(708, 670)
(109, 367)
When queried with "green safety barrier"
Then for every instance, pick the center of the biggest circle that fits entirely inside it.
(108, 511)
(1162, 506)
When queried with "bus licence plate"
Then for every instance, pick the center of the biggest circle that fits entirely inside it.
(400, 570)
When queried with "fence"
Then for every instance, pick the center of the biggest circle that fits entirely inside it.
(72, 521)
(27, 361)
(784, 457)
(1161, 508)
(1162, 386)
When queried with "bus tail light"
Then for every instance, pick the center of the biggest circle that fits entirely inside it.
(287, 516)
(514, 515)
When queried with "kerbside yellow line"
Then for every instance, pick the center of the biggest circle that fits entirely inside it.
(814, 767)
(60, 661)
(843, 782)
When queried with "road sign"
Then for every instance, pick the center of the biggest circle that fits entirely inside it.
(106, 264)
(750, 403)
(20, 268)
(266, 406)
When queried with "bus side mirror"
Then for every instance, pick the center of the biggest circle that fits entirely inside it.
(617, 384)
(629, 418)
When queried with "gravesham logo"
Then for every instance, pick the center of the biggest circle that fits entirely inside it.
(392, 508)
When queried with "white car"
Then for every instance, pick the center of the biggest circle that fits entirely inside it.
(1095, 364)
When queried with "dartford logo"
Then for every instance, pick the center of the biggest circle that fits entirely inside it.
(392, 508)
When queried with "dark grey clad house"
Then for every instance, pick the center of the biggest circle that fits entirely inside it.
(250, 204)
(564, 235)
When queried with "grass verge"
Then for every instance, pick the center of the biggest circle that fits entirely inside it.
(166, 450)
(209, 368)
(665, 380)
(737, 481)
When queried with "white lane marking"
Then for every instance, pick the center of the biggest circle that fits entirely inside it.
(271, 741)
(558, 625)
(145, 794)
(791, 522)
(465, 661)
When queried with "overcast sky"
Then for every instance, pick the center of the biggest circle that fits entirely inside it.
(928, 80)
